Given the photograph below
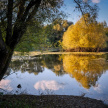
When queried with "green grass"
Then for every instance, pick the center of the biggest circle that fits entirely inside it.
(14, 104)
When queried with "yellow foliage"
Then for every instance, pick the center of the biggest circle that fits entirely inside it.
(57, 68)
(57, 27)
(84, 34)
(85, 69)
(62, 25)
(65, 24)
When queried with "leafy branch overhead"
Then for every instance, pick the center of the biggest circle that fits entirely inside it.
(86, 6)
(19, 14)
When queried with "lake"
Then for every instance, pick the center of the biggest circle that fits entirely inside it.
(79, 75)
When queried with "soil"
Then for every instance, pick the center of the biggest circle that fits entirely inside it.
(49, 101)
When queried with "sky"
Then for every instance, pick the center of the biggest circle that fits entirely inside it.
(75, 15)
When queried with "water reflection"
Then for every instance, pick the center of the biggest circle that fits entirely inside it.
(60, 74)
(54, 63)
(32, 66)
(98, 88)
(85, 69)
(50, 85)
(37, 65)
(5, 85)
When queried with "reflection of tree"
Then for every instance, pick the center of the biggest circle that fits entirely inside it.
(85, 69)
(32, 66)
(37, 65)
(53, 63)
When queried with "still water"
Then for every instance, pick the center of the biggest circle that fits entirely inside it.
(79, 75)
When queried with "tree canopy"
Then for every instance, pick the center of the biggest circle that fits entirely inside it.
(16, 15)
(85, 35)
(43, 37)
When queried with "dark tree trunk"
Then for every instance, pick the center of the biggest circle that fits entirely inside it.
(5, 58)
(15, 33)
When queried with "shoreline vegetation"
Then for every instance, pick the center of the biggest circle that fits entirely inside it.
(49, 101)
(34, 53)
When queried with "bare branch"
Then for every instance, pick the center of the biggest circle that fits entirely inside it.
(20, 25)
(2, 43)
(79, 6)
(30, 5)
(21, 9)
(31, 15)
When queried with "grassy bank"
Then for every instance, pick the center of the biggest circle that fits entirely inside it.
(49, 101)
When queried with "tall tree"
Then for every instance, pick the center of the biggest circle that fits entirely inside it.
(17, 14)
(85, 35)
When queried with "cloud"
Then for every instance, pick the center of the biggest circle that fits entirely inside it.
(5, 84)
(51, 85)
(85, 0)
(95, 1)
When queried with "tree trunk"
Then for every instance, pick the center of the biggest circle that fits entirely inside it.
(97, 49)
(15, 32)
(5, 59)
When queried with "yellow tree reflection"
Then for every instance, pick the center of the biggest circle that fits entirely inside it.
(85, 69)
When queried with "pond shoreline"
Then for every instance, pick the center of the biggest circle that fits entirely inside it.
(51, 101)
(57, 101)
(34, 53)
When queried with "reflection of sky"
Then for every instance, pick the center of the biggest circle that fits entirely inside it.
(60, 85)
(5, 85)
(98, 88)
(51, 85)
(100, 91)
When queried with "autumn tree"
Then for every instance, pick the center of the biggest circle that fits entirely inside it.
(85, 69)
(85, 35)
(59, 27)
(106, 32)
(42, 37)
(17, 15)
(55, 30)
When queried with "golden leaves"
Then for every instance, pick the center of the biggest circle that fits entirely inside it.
(57, 27)
(85, 69)
(85, 34)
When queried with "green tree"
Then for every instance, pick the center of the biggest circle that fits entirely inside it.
(32, 38)
(18, 14)
(55, 30)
